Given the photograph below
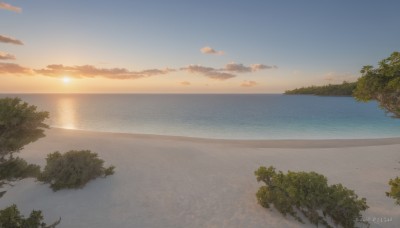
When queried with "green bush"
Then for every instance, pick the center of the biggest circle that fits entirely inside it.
(14, 169)
(17, 168)
(11, 218)
(73, 169)
(309, 194)
(394, 189)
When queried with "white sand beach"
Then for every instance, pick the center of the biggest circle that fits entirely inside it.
(163, 181)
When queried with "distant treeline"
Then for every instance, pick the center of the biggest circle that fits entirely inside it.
(344, 89)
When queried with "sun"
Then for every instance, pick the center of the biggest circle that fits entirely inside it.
(66, 80)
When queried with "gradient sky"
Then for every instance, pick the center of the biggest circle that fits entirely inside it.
(190, 46)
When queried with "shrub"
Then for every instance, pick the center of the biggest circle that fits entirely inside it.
(73, 169)
(17, 168)
(309, 194)
(394, 189)
(11, 217)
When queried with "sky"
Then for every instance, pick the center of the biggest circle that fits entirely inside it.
(188, 46)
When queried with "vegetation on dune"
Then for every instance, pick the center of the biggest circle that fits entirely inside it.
(73, 169)
(394, 189)
(11, 217)
(308, 194)
(21, 124)
(344, 89)
(381, 84)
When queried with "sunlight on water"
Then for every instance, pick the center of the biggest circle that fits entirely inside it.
(66, 113)
(233, 116)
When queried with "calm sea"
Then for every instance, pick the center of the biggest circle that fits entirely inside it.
(258, 116)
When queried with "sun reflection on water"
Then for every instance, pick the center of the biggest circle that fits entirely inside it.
(66, 113)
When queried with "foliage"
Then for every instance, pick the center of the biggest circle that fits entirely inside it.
(15, 169)
(73, 169)
(309, 194)
(394, 189)
(381, 84)
(344, 89)
(11, 217)
(20, 124)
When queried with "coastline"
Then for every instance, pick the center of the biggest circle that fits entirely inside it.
(254, 143)
(167, 181)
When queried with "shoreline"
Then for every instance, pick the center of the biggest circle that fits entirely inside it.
(254, 143)
(168, 182)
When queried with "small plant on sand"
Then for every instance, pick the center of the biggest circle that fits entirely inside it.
(73, 169)
(308, 193)
(394, 189)
(11, 217)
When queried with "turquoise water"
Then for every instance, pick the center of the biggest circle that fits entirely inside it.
(256, 116)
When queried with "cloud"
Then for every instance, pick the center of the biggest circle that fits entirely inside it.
(339, 77)
(186, 83)
(6, 56)
(208, 72)
(257, 67)
(5, 39)
(248, 84)
(15, 69)
(211, 51)
(9, 7)
(89, 71)
(240, 68)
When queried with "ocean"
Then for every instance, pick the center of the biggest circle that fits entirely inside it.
(222, 116)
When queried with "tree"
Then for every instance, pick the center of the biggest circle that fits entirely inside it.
(73, 169)
(310, 195)
(20, 124)
(344, 89)
(381, 84)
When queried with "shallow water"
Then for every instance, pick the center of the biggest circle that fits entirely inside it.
(233, 116)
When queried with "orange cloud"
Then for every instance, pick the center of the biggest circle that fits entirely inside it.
(186, 83)
(88, 71)
(9, 7)
(249, 84)
(208, 72)
(240, 68)
(5, 39)
(209, 50)
(6, 56)
(15, 69)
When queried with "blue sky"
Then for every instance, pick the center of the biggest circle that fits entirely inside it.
(315, 42)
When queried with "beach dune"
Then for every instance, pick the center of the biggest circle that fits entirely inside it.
(163, 181)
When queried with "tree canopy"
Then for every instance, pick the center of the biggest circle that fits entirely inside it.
(20, 124)
(382, 84)
(344, 89)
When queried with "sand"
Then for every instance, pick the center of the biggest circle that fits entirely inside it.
(164, 181)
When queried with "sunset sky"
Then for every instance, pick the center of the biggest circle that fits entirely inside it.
(190, 46)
